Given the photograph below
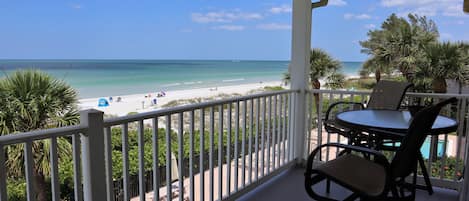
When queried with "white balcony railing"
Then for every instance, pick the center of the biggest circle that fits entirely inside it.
(242, 142)
(223, 148)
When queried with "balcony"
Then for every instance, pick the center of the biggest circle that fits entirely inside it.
(286, 186)
(248, 150)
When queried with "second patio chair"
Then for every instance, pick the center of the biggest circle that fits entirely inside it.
(386, 95)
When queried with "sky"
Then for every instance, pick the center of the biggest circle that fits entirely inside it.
(201, 29)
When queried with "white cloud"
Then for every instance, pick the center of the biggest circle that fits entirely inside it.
(363, 17)
(446, 36)
(223, 16)
(274, 26)
(76, 6)
(337, 2)
(281, 9)
(350, 16)
(422, 11)
(450, 8)
(454, 10)
(391, 3)
(186, 30)
(229, 27)
(370, 26)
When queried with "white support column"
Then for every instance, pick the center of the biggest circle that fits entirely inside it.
(464, 189)
(299, 68)
(94, 175)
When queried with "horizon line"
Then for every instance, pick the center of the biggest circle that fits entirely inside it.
(128, 59)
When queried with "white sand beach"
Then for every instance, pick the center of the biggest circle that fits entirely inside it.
(143, 102)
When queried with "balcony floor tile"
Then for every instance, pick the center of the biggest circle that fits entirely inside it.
(289, 186)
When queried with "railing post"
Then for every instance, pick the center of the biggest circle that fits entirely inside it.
(464, 188)
(299, 71)
(94, 175)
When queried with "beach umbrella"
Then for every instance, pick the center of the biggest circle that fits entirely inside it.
(102, 102)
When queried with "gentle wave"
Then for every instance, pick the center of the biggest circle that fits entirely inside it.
(172, 84)
(233, 80)
(192, 83)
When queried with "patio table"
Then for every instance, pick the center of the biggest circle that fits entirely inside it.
(395, 121)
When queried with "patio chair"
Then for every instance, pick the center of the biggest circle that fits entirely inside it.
(386, 95)
(375, 179)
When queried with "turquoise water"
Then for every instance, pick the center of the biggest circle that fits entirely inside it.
(98, 78)
(426, 148)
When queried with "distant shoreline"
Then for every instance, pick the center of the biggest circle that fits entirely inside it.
(143, 102)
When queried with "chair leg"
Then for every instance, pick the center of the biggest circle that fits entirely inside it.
(401, 190)
(426, 177)
(395, 194)
(413, 187)
(328, 186)
(311, 182)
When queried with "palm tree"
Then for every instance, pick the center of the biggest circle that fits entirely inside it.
(445, 61)
(335, 80)
(35, 100)
(377, 65)
(322, 65)
(465, 70)
(399, 43)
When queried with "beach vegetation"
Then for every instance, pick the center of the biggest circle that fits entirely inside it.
(335, 81)
(360, 83)
(273, 88)
(33, 100)
(132, 113)
(188, 101)
(444, 60)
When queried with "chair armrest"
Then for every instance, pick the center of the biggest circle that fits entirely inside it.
(379, 157)
(332, 106)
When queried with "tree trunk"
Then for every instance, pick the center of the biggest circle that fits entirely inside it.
(460, 87)
(316, 85)
(439, 85)
(40, 185)
(378, 75)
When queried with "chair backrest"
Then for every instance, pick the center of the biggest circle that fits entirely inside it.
(405, 158)
(387, 95)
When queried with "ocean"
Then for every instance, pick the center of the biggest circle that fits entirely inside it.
(102, 78)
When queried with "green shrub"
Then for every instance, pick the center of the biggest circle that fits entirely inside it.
(16, 190)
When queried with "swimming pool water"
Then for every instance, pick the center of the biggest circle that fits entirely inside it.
(425, 150)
